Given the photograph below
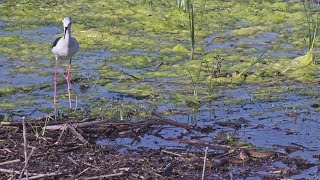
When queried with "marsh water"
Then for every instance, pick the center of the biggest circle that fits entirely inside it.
(269, 114)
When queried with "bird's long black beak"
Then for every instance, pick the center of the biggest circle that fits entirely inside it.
(65, 31)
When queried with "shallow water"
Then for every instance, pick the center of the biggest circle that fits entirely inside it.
(268, 121)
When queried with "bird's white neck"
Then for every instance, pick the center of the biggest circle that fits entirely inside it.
(67, 34)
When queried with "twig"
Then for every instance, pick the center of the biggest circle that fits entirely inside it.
(83, 124)
(177, 124)
(45, 117)
(9, 171)
(73, 161)
(78, 135)
(88, 124)
(12, 171)
(231, 175)
(7, 150)
(91, 165)
(9, 162)
(104, 176)
(226, 154)
(26, 163)
(39, 176)
(75, 108)
(61, 134)
(172, 153)
(46, 123)
(204, 162)
(24, 132)
(299, 145)
(82, 172)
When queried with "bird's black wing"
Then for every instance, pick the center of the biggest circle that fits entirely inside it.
(55, 42)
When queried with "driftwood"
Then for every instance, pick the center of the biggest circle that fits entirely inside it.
(84, 124)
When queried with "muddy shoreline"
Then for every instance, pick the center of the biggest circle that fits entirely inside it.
(72, 153)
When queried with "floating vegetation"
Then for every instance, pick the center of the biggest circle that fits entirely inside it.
(172, 74)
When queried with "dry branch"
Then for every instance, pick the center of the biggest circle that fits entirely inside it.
(171, 153)
(9, 162)
(39, 176)
(85, 124)
(78, 135)
(26, 164)
(11, 171)
(61, 134)
(176, 124)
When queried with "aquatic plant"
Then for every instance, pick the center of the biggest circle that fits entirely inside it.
(312, 18)
(188, 6)
(303, 67)
(241, 77)
(191, 26)
(182, 4)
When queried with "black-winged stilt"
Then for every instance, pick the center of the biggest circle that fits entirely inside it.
(64, 48)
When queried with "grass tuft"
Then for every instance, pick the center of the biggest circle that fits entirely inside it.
(312, 18)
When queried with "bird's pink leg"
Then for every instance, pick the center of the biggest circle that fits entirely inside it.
(69, 84)
(55, 87)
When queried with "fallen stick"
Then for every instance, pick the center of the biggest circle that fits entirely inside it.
(9, 162)
(85, 124)
(41, 118)
(104, 176)
(78, 135)
(37, 121)
(176, 124)
(91, 165)
(7, 123)
(199, 143)
(82, 172)
(172, 153)
(226, 154)
(12, 171)
(61, 134)
(39, 176)
(26, 163)
(73, 161)
(9, 171)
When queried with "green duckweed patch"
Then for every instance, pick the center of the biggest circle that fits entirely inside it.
(119, 110)
(8, 106)
(7, 90)
(149, 42)
(141, 91)
(22, 49)
(249, 31)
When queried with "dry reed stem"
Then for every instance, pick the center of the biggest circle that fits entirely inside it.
(204, 162)
(24, 132)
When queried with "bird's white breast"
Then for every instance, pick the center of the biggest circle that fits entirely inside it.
(66, 48)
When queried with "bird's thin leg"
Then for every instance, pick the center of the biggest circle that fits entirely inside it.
(55, 88)
(69, 84)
